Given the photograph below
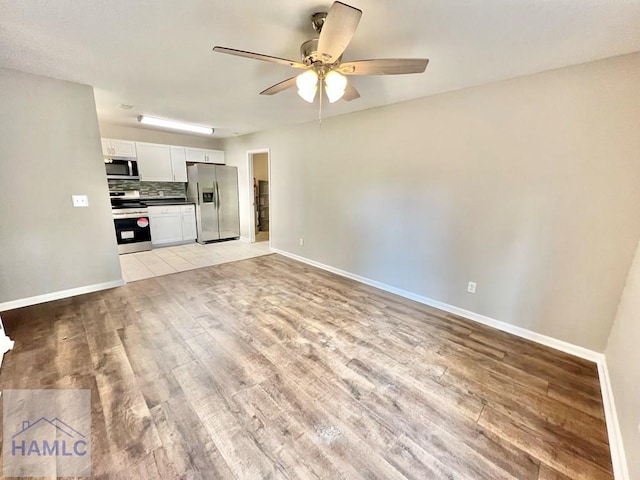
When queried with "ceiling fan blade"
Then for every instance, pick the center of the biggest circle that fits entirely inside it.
(337, 31)
(384, 66)
(278, 87)
(350, 93)
(259, 56)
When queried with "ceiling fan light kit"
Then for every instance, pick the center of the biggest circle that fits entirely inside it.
(322, 58)
(186, 127)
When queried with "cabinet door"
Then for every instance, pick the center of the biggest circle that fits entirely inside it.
(154, 162)
(196, 155)
(123, 148)
(215, 156)
(189, 231)
(118, 148)
(179, 164)
(166, 225)
(106, 146)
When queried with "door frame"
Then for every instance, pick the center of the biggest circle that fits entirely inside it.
(252, 207)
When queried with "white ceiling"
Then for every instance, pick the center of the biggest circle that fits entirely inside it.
(156, 54)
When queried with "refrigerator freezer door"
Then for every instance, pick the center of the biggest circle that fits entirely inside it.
(207, 204)
(228, 210)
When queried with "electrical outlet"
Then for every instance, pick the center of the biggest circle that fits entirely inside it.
(471, 287)
(301, 242)
(80, 200)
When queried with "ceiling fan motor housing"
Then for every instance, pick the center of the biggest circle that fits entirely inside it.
(309, 51)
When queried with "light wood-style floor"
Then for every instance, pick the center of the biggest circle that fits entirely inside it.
(268, 368)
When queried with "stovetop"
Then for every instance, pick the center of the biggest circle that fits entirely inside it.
(116, 205)
(126, 199)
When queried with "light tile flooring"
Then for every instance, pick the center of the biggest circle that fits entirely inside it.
(162, 261)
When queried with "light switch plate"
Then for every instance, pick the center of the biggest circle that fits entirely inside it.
(80, 200)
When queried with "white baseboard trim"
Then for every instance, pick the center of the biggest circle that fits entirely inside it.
(48, 297)
(613, 427)
(618, 457)
(245, 239)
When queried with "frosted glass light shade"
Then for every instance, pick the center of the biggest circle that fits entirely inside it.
(334, 85)
(307, 84)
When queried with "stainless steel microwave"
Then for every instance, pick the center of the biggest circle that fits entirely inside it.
(121, 169)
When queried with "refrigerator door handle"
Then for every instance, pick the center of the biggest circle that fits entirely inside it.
(218, 196)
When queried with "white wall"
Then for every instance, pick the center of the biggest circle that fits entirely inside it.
(623, 360)
(49, 150)
(528, 187)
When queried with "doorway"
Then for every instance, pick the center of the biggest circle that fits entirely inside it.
(258, 168)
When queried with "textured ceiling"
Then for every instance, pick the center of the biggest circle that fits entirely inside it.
(156, 54)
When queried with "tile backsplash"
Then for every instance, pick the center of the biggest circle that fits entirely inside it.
(150, 189)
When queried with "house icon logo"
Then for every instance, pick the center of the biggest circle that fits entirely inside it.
(46, 433)
(48, 437)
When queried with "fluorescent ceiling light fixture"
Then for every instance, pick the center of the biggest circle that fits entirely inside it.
(307, 84)
(159, 122)
(334, 85)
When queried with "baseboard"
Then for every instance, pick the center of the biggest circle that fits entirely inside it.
(48, 297)
(613, 427)
(245, 239)
(618, 457)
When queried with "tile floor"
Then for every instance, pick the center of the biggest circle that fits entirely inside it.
(162, 261)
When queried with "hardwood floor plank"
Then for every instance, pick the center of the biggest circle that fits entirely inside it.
(576, 399)
(548, 473)
(188, 448)
(414, 462)
(513, 400)
(243, 458)
(552, 451)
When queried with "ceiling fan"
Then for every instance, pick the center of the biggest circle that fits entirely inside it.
(322, 58)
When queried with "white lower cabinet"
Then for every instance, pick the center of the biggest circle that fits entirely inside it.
(189, 230)
(172, 224)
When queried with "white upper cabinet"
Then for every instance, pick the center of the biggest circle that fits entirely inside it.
(154, 162)
(179, 163)
(203, 155)
(118, 148)
(159, 162)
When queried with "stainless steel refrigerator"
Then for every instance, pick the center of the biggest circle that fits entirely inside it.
(214, 190)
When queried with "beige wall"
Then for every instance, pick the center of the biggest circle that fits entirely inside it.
(623, 360)
(261, 166)
(528, 187)
(49, 150)
(122, 132)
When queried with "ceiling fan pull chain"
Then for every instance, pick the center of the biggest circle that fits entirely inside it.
(320, 103)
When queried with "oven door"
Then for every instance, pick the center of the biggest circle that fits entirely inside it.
(132, 232)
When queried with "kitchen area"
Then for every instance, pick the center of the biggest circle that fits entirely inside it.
(174, 208)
